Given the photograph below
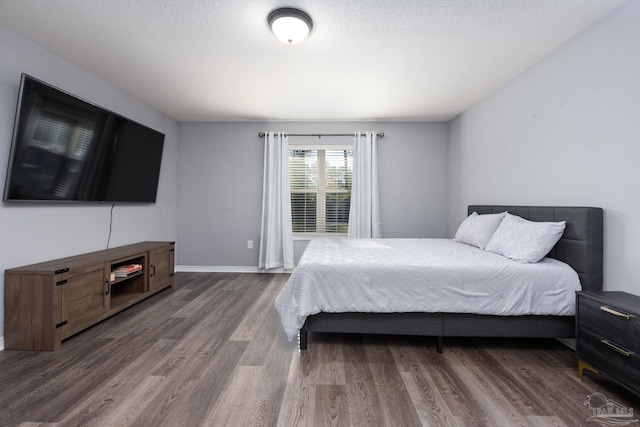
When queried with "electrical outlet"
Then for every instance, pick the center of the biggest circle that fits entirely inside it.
(249, 244)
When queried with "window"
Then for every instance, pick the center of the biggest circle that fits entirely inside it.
(320, 178)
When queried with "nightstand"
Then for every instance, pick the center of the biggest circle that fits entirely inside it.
(608, 335)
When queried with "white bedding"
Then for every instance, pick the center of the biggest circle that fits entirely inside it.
(420, 275)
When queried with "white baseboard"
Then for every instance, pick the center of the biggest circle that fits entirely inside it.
(226, 269)
(1, 343)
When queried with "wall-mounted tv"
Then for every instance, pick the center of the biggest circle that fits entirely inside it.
(67, 149)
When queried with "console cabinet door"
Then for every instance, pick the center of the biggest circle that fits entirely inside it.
(85, 297)
(162, 267)
(33, 295)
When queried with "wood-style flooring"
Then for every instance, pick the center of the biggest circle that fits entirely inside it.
(211, 352)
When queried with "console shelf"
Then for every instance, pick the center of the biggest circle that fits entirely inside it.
(48, 302)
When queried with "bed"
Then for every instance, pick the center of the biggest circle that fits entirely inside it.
(579, 250)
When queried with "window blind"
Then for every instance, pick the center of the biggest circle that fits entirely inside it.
(320, 181)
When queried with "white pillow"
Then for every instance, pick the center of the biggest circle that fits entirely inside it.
(476, 230)
(523, 240)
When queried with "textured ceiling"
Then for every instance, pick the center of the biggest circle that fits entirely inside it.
(214, 60)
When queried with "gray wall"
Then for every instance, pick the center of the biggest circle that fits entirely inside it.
(220, 184)
(565, 132)
(39, 232)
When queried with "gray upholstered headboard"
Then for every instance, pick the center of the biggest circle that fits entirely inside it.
(581, 243)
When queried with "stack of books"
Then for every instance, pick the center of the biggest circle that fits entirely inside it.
(126, 270)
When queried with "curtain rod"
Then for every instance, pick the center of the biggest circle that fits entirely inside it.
(320, 135)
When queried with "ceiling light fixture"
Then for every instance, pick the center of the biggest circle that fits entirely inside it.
(290, 25)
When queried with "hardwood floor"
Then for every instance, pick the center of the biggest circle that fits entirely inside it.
(211, 352)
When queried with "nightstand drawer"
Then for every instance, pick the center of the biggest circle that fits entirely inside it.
(611, 357)
(609, 321)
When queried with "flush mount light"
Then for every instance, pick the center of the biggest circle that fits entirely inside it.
(290, 25)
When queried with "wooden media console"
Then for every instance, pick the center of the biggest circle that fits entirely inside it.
(48, 302)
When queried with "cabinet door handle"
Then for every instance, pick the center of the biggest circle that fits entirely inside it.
(108, 287)
(614, 312)
(616, 348)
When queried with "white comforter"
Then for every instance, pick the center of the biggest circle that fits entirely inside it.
(420, 275)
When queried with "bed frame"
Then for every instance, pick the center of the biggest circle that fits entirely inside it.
(580, 247)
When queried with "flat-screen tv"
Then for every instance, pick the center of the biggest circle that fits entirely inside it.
(67, 149)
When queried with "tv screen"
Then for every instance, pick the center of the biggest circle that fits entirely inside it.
(67, 149)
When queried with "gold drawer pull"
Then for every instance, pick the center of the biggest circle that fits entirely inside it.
(616, 348)
(614, 312)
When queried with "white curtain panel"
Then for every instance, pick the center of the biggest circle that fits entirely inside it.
(276, 236)
(364, 216)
